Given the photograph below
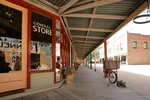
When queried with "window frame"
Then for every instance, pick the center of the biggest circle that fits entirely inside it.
(146, 45)
(53, 40)
(134, 46)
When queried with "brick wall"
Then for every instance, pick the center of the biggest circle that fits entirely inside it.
(138, 56)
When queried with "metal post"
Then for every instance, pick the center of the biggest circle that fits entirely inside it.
(95, 60)
(91, 61)
(105, 49)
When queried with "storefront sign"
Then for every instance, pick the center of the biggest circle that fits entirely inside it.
(41, 25)
(42, 28)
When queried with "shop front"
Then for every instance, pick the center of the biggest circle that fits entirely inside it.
(34, 47)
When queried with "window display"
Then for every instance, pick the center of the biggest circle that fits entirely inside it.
(41, 42)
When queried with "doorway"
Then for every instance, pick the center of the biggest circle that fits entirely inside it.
(13, 46)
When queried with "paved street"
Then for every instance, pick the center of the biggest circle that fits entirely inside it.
(137, 77)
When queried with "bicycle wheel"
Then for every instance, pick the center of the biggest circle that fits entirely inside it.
(113, 77)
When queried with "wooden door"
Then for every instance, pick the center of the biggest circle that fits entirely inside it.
(13, 46)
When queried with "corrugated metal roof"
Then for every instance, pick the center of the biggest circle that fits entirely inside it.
(94, 20)
(58, 3)
(78, 22)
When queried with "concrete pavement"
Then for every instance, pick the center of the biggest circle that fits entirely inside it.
(88, 85)
(137, 77)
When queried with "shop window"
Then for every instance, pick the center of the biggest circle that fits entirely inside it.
(134, 44)
(123, 58)
(41, 42)
(10, 39)
(145, 45)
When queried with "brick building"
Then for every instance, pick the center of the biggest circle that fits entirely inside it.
(138, 49)
(129, 48)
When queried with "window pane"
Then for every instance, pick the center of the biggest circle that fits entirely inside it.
(41, 42)
(134, 44)
(145, 45)
(10, 39)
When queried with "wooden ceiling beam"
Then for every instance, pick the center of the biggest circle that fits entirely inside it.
(135, 13)
(92, 37)
(83, 44)
(65, 21)
(90, 29)
(91, 5)
(86, 41)
(90, 24)
(99, 16)
(69, 4)
(82, 47)
(82, 2)
(60, 3)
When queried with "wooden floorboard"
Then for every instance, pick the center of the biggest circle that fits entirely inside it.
(69, 95)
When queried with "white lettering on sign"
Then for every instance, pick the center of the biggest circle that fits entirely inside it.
(42, 28)
(15, 46)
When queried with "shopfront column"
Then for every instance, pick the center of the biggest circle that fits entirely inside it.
(105, 50)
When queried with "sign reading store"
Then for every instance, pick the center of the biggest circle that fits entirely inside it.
(41, 27)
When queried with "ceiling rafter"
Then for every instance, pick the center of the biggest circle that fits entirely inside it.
(82, 2)
(82, 47)
(83, 44)
(99, 16)
(85, 41)
(92, 37)
(61, 3)
(89, 29)
(66, 23)
(90, 24)
(69, 4)
(91, 5)
(135, 13)
(57, 3)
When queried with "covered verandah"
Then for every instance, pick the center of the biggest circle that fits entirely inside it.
(86, 24)
(88, 85)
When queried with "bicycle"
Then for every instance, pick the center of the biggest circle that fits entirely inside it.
(108, 69)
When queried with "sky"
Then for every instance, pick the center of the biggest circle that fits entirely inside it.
(143, 29)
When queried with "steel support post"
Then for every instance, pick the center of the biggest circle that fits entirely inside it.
(105, 49)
